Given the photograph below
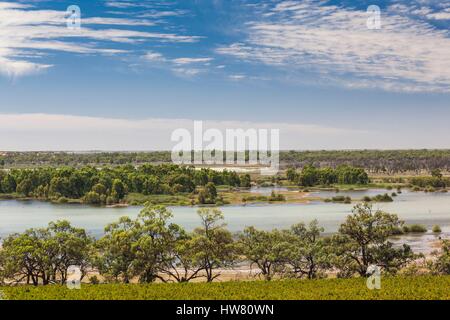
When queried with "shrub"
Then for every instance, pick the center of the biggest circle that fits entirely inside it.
(397, 231)
(382, 198)
(417, 228)
(94, 280)
(437, 229)
(62, 200)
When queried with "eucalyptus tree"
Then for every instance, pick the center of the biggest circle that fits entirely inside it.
(363, 240)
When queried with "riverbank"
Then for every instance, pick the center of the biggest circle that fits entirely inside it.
(392, 288)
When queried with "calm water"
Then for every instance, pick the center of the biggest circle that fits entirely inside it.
(413, 207)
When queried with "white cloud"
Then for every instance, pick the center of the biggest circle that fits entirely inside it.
(335, 43)
(187, 72)
(153, 56)
(27, 32)
(183, 61)
(237, 77)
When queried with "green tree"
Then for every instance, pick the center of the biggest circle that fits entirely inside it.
(25, 187)
(119, 190)
(116, 250)
(441, 264)
(8, 184)
(363, 241)
(42, 256)
(436, 173)
(309, 176)
(208, 195)
(265, 250)
(214, 243)
(246, 181)
(155, 249)
(292, 175)
(306, 252)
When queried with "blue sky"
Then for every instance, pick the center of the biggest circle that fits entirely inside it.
(310, 66)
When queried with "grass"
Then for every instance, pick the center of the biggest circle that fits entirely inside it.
(392, 288)
(136, 199)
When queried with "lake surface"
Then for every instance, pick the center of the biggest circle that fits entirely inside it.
(413, 207)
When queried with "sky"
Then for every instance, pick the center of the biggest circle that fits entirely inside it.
(137, 70)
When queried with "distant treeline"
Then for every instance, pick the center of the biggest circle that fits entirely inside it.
(111, 185)
(374, 161)
(311, 176)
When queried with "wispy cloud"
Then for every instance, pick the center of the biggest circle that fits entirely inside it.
(333, 42)
(182, 67)
(27, 32)
(191, 60)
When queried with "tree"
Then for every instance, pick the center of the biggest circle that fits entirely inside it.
(309, 176)
(8, 184)
(305, 252)
(43, 256)
(441, 265)
(292, 175)
(246, 181)
(363, 241)
(156, 249)
(118, 190)
(99, 188)
(436, 173)
(116, 250)
(93, 197)
(208, 195)
(25, 187)
(213, 243)
(75, 248)
(264, 249)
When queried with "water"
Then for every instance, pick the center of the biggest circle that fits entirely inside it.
(413, 207)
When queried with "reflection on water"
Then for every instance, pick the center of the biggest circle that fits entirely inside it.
(413, 207)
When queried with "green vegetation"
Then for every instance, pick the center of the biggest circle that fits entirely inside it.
(311, 176)
(379, 198)
(113, 185)
(415, 228)
(340, 199)
(151, 248)
(392, 288)
(274, 197)
(436, 229)
(374, 161)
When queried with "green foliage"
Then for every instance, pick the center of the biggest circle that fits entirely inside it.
(392, 288)
(264, 250)
(363, 241)
(306, 253)
(415, 228)
(340, 199)
(312, 176)
(214, 243)
(43, 256)
(436, 229)
(441, 265)
(112, 185)
(208, 195)
(377, 161)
